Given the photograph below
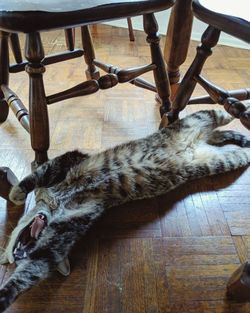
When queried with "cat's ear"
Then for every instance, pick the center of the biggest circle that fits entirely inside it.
(64, 267)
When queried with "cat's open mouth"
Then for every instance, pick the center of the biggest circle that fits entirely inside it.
(28, 237)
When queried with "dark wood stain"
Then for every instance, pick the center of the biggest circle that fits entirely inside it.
(173, 254)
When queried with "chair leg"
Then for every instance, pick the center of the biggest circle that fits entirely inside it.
(70, 38)
(4, 73)
(39, 123)
(209, 39)
(238, 287)
(130, 29)
(160, 72)
(89, 54)
(15, 47)
(177, 40)
(7, 181)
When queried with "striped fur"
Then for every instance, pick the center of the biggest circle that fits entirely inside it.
(74, 189)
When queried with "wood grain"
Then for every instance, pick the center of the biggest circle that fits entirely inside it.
(173, 254)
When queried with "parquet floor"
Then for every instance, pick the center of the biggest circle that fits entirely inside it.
(173, 254)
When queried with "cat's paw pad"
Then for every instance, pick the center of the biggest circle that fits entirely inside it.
(17, 195)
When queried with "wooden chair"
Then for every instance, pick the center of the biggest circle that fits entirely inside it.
(16, 17)
(69, 37)
(231, 18)
(30, 18)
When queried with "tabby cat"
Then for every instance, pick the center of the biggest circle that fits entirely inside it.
(74, 189)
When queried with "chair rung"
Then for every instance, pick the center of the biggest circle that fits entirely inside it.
(17, 107)
(54, 58)
(240, 94)
(86, 88)
(125, 75)
(142, 83)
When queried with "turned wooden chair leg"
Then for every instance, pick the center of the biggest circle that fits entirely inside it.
(238, 287)
(160, 73)
(7, 181)
(70, 38)
(130, 29)
(177, 40)
(89, 54)
(4, 73)
(209, 39)
(15, 47)
(39, 123)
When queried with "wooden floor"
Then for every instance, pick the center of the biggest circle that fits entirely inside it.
(173, 254)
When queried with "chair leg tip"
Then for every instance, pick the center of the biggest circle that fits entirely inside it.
(167, 119)
(7, 181)
(4, 111)
(238, 287)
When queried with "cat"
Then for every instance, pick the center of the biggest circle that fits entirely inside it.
(74, 189)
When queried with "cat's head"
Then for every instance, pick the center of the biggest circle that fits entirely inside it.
(26, 235)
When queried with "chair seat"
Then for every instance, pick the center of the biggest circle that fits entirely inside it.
(231, 17)
(35, 15)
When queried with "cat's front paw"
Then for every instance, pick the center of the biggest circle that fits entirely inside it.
(17, 195)
(6, 298)
(3, 258)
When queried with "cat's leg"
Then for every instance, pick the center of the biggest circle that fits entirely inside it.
(27, 274)
(207, 119)
(52, 247)
(46, 175)
(207, 162)
(219, 137)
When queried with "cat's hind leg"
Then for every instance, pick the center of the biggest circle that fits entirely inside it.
(219, 137)
(46, 175)
(215, 161)
(207, 119)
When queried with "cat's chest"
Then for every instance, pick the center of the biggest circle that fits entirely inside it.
(47, 196)
(60, 197)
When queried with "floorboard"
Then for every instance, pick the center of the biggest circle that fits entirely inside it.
(173, 254)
